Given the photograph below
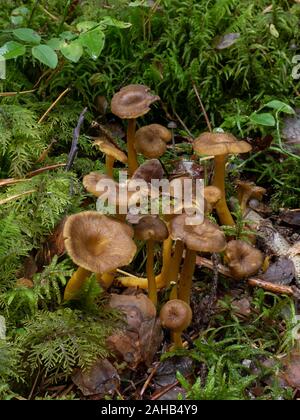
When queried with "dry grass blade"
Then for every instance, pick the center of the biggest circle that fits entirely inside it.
(15, 197)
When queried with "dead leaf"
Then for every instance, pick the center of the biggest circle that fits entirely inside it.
(294, 250)
(141, 337)
(290, 373)
(291, 217)
(227, 41)
(281, 272)
(101, 380)
(242, 306)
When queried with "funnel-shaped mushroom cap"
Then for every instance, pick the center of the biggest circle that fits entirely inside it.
(215, 144)
(151, 228)
(205, 237)
(151, 169)
(132, 101)
(95, 183)
(176, 315)
(211, 195)
(250, 190)
(152, 140)
(98, 243)
(243, 259)
(108, 148)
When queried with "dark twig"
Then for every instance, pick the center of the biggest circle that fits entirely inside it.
(74, 147)
(202, 107)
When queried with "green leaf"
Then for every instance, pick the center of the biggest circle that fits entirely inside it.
(18, 15)
(55, 43)
(12, 49)
(263, 119)
(93, 41)
(27, 35)
(280, 106)
(45, 55)
(109, 21)
(67, 35)
(86, 25)
(72, 51)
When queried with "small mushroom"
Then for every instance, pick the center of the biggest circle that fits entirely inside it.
(220, 145)
(132, 102)
(98, 244)
(212, 196)
(151, 229)
(112, 153)
(176, 315)
(243, 259)
(151, 140)
(248, 190)
(204, 237)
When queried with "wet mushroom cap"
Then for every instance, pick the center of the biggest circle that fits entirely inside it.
(98, 243)
(151, 228)
(216, 144)
(108, 148)
(151, 169)
(132, 101)
(176, 315)
(151, 140)
(251, 190)
(211, 196)
(243, 259)
(204, 237)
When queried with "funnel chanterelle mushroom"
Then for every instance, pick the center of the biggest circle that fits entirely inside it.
(220, 145)
(132, 102)
(151, 229)
(112, 153)
(248, 190)
(96, 243)
(151, 140)
(243, 259)
(176, 315)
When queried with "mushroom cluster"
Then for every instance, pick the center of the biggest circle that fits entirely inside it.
(102, 244)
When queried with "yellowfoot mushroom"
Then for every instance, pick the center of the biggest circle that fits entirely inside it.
(112, 153)
(132, 102)
(97, 244)
(176, 315)
(151, 140)
(246, 191)
(220, 145)
(243, 259)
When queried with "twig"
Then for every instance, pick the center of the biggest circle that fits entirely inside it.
(149, 379)
(14, 197)
(164, 391)
(183, 124)
(46, 168)
(11, 181)
(34, 385)
(202, 107)
(17, 93)
(74, 147)
(53, 105)
(253, 282)
(45, 152)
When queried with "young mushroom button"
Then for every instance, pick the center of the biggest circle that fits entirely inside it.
(132, 102)
(176, 315)
(220, 145)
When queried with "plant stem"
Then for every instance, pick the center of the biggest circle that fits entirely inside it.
(174, 268)
(132, 158)
(105, 280)
(75, 283)
(152, 290)
(186, 277)
(219, 181)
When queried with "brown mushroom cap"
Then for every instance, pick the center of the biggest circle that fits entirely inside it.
(92, 183)
(98, 243)
(151, 228)
(108, 148)
(243, 259)
(132, 101)
(151, 169)
(152, 140)
(216, 144)
(250, 190)
(176, 315)
(205, 237)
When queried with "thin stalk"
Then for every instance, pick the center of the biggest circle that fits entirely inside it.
(186, 277)
(75, 283)
(219, 181)
(132, 158)
(109, 164)
(152, 290)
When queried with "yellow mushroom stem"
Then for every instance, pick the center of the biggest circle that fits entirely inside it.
(174, 268)
(109, 164)
(75, 283)
(105, 280)
(132, 157)
(219, 182)
(152, 289)
(177, 340)
(162, 280)
(186, 277)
